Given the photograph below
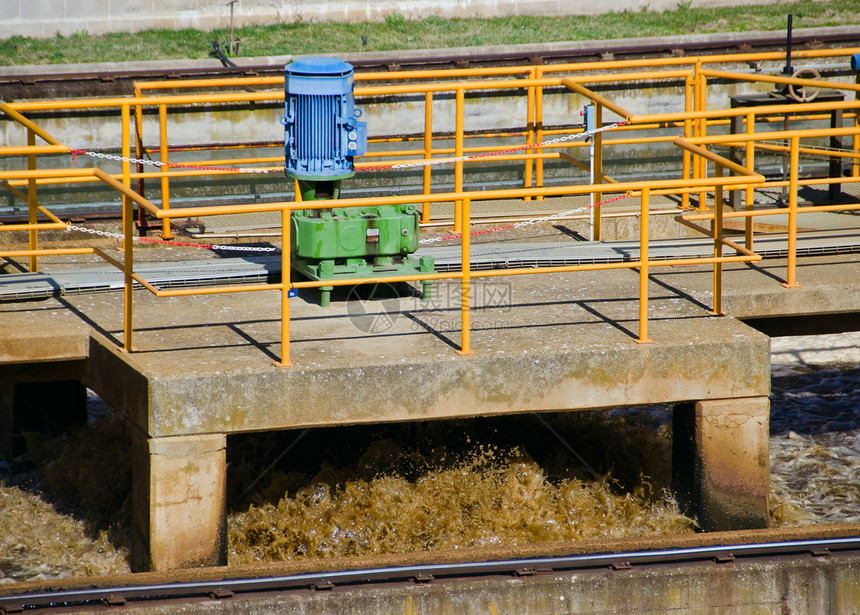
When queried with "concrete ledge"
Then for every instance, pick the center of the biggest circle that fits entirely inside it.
(756, 291)
(562, 355)
(37, 331)
(603, 375)
(801, 585)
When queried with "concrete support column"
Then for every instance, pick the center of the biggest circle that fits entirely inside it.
(179, 488)
(720, 462)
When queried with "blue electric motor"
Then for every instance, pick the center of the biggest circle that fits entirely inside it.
(321, 132)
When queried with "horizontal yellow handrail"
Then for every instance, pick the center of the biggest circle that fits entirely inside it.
(776, 134)
(483, 195)
(597, 98)
(817, 83)
(722, 161)
(810, 107)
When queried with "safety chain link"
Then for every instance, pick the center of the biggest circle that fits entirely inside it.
(160, 163)
(436, 161)
(92, 231)
(422, 163)
(562, 214)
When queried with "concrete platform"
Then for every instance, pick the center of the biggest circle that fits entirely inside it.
(203, 369)
(388, 366)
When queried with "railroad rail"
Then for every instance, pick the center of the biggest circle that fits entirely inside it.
(221, 588)
(16, 84)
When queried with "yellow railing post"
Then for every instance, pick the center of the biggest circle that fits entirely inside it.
(643, 269)
(127, 232)
(855, 165)
(286, 285)
(794, 156)
(32, 203)
(165, 181)
(458, 152)
(530, 133)
(702, 166)
(688, 132)
(428, 152)
(596, 197)
(139, 151)
(749, 196)
(128, 270)
(465, 281)
(718, 239)
(539, 130)
(126, 165)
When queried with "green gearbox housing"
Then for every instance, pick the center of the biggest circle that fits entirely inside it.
(322, 135)
(357, 242)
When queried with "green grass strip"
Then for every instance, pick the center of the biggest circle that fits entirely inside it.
(398, 33)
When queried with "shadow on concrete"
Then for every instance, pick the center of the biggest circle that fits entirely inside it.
(90, 322)
(679, 293)
(261, 346)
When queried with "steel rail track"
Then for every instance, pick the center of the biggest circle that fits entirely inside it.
(17, 84)
(223, 588)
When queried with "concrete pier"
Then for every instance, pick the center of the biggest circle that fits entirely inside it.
(179, 494)
(203, 369)
(720, 461)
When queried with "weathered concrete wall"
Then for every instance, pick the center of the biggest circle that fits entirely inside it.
(597, 367)
(801, 585)
(44, 18)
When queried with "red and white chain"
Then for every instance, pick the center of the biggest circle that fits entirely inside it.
(519, 148)
(158, 163)
(562, 214)
(405, 165)
(92, 231)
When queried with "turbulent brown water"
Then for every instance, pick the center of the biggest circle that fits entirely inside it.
(815, 443)
(362, 490)
(64, 505)
(491, 498)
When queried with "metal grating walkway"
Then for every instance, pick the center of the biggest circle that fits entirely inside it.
(267, 268)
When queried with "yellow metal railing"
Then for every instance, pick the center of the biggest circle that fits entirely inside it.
(695, 86)
(692, 72)
(693, 122)
(464, 274)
